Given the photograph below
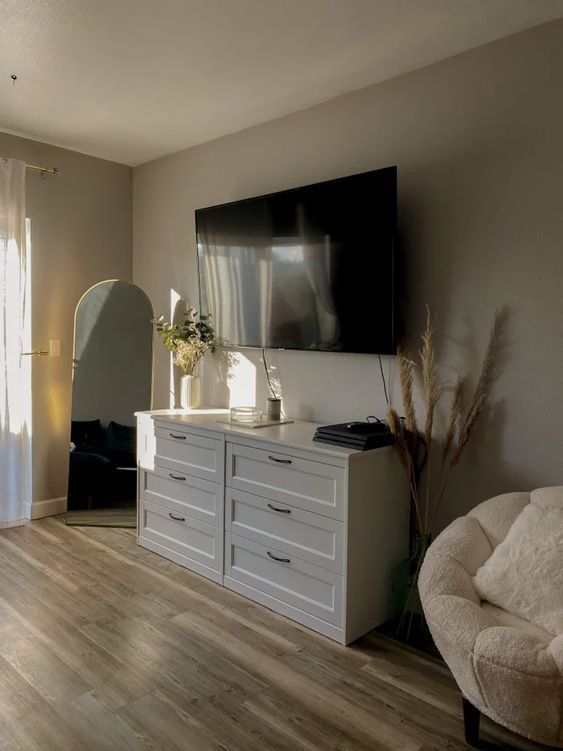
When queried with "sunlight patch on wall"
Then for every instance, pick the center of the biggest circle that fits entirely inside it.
(174, 300)
(242, 383)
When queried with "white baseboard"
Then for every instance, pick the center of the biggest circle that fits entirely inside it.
(17, 523)
(49, 507)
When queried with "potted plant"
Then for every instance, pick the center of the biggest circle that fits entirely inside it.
(188, 341)
(428, 461)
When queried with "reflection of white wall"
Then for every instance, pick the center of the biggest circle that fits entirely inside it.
(113, 354)
(242, 383)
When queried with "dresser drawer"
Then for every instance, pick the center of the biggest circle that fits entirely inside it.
(188, 453)
(289, 580)
(186, 536)
(184, 494)
(309, 485)
(310, 537)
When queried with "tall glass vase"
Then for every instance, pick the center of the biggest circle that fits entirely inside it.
(406, 600)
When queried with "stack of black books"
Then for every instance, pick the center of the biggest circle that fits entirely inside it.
(361, 436)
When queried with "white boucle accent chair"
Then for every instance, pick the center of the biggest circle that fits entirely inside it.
(491, 587)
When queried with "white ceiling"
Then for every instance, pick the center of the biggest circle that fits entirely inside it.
(131, 80)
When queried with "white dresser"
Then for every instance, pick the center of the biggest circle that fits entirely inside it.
(312, 531)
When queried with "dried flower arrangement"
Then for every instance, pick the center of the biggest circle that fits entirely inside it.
(189, 341)
(427, 491)
(188, 354)
(427, 494)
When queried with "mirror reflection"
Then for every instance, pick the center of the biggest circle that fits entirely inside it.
(112, 379)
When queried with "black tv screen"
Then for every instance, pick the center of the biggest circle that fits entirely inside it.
(310, 268)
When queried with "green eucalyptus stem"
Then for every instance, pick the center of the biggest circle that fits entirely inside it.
(195, 329)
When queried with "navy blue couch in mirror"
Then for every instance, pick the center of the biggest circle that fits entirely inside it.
(102, 464)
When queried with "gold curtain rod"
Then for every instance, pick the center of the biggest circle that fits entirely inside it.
(43, 170)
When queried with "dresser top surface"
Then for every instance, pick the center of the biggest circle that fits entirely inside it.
(297, 434)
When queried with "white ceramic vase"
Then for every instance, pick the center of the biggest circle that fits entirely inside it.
(189, 391)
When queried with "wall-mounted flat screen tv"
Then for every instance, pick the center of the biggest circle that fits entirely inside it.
(310, 268)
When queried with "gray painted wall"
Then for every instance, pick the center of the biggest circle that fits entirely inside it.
(81, 234)
(477, 141)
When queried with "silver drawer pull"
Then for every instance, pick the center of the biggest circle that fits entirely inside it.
(279, 510)
(177, 437)
(176, 477)
(279, 461)
(275, 558)
(176, 518)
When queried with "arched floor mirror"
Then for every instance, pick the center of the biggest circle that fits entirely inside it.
(112, 379)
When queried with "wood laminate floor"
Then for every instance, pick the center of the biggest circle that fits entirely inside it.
(104, 645)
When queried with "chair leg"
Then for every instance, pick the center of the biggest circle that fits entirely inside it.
(471, 718)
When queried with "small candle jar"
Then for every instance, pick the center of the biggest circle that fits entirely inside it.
(273, 408)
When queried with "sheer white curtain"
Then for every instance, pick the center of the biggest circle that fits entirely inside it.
(15, 392)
